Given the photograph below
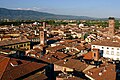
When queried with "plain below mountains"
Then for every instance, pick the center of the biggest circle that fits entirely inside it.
(35, 15)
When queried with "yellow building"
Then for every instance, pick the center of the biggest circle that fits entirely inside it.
(15, 44)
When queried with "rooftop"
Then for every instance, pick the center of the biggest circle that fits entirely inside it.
(106, 43)
(15, 41)
(72, 63)
(11, 68)
(104, 72)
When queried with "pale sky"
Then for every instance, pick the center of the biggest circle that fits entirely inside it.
(91, 8)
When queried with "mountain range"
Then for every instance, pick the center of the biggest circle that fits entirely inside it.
(35, 15)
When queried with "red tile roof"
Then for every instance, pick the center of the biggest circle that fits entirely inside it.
(104, 72)
(88, 56)
(36, 77)
(3, 65)
(106, 43)
(49, 58)
(53, 57)
(73, 64)
(79, 47)
(6, 42)
(17, 69)
(60, 55)
(74, 78)
(53, 49)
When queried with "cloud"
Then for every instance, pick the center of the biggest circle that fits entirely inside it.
(24, 9)
(33, 8)
(38, 9)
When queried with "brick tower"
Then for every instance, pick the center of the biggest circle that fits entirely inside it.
(43, 35)
(95, 54)
(111, 26)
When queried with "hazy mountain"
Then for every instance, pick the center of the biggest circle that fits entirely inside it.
(29, 14)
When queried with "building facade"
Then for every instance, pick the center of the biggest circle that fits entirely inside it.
(16, 44)
(108, 49)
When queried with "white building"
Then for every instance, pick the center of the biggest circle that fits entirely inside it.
(108, 49)
(81, 25)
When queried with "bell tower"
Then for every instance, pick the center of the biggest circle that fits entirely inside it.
(43, 35)
(111, 26)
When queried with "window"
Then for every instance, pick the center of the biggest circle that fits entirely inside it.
(117, 53)
(117, 58)
(94, 55)
(117, 48)
(112, 52)
(102, 47)
(107, 52)
(94, 46)
(107, 48)
(28, 44)
(112, 48)
(21, 45)
(24, 44)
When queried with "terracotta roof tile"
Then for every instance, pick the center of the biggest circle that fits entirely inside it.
(17, 69)
(8, 42)
(73, 64)
(106, 43)
(87, 56)
(3, 64)
(105, 72)
(36, 77)
(79, 47)
(60, 55)
(53, 49)
(49, 58)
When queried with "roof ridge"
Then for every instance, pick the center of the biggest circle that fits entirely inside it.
(5, 66)
(3, 59)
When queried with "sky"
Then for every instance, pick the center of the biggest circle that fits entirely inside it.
(91, 8)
